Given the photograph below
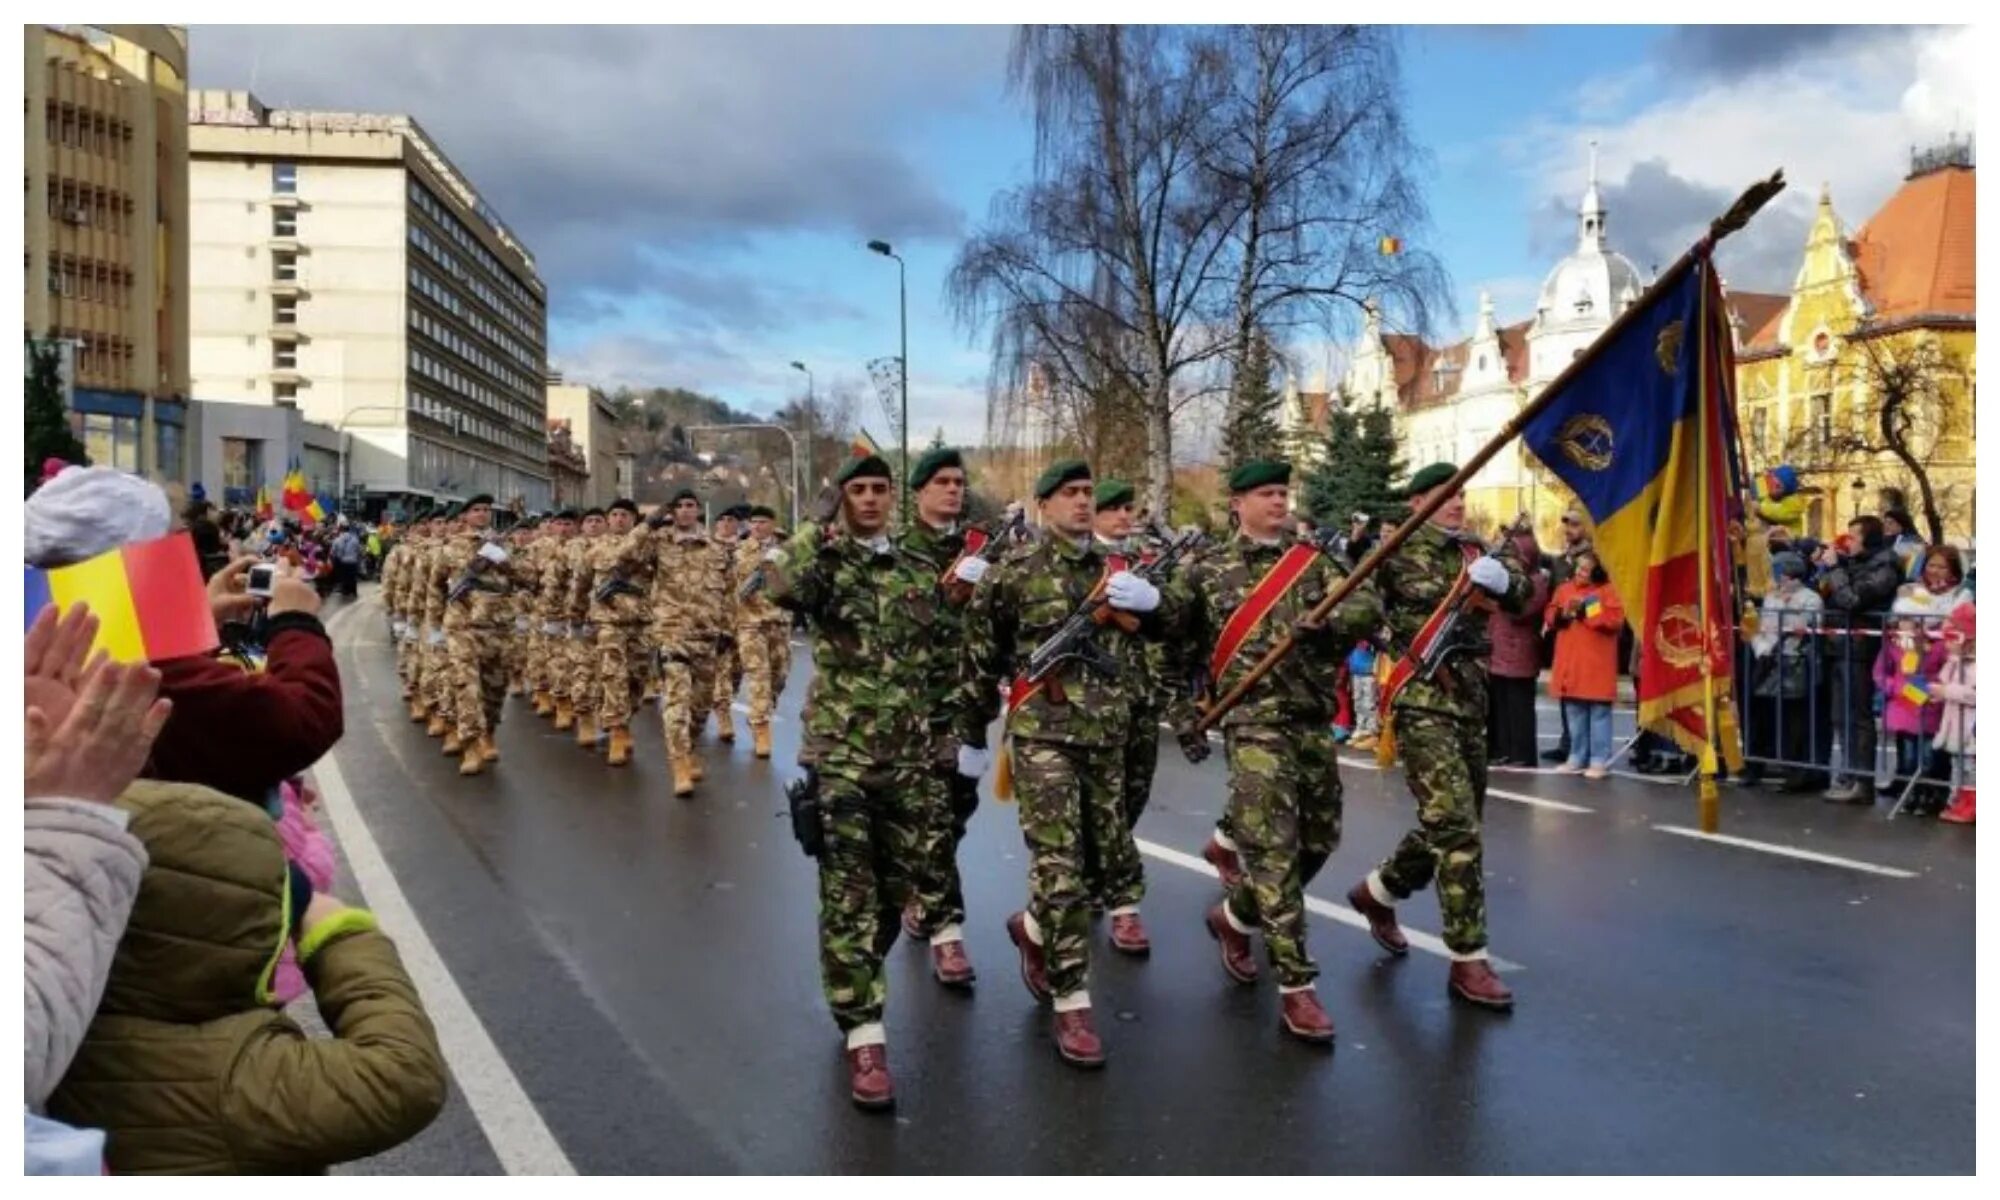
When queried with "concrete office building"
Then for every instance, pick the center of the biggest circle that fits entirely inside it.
(346, 266)
(105, 158)
(593, 430)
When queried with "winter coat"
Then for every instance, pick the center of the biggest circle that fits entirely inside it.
(188, 1069)
(81, 872)
(1900, 714)
(245, 732)
(1517, 637)
(1956, 686)
(1586, 646)
(1861, 588)
(1784, 643)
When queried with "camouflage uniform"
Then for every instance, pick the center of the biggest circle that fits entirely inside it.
(1284, 804)
(549, 669)
(690, 583)
(1440, 731)
(763, 634)
(434, 672)
(393, 565)
(1068, 743)
(572, 603)
(1141, 667)
(478, 628)
(880, 800)
(941, 905)
(728, 651)
(528, 562)
(620, 668)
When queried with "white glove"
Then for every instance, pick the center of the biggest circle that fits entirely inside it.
(434, 638)
(553, 629)
(1489, 574)
(520, 624)
(775, 554)
(1131, 593)
(397, 627)
(970, 569)
(972, 761)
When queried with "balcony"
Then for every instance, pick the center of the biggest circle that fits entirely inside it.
(290, 289)
(287, 333)
(287, 375)
(286, 200)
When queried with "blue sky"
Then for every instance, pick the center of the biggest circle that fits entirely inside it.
(699, 199)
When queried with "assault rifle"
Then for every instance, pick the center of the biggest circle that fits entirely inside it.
(491, 554)
(1076, 641)
(614, 587)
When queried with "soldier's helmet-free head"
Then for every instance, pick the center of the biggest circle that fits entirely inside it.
(621, 516)
(592, 523)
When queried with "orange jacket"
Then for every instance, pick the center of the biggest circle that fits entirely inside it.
(1586, 665)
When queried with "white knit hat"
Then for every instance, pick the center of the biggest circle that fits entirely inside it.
(85, 511)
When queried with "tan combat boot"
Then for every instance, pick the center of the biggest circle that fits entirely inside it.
(725, 726)
(760, 736)
(565, 715)
(694, 766)
(453, 745)
(586, 731)
(487, 750)
(418, 712)
(621, 747)
(683, 779)
(544, 703)
(473, 763)
(436, 728)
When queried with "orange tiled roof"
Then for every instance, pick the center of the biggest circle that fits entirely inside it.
(1915, 256)
(1761, 312)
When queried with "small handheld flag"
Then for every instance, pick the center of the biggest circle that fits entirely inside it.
(149, 598)
(1915, 693)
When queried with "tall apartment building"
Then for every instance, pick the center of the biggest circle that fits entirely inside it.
(105, 158)
(593, 430)
(345, 266)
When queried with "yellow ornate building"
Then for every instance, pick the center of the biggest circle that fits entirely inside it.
(1889, 309)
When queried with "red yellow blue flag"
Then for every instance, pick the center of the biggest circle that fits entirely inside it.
(862, 446)
(149, 598)
(1643, 433)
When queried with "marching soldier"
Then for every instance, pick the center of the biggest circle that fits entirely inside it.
(728, 655)
(1439, 726)
(573, 605)
(478, 576)
(1067, 732)
(880, 805)
(524, 541)
(434, 673)
(395, 565)
(548, 645)
(690, 598)
(617, 586)
(763, 630)
(938, 486)
(1284, 803)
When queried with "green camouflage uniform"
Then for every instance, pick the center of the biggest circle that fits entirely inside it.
(936, 549)
(880, 800)
(1284, 777)
(1141, 666)
(1440, 731)
(1069, 755)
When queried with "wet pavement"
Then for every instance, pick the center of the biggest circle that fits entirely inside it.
(646, 967)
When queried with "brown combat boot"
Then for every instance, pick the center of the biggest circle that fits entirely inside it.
(1227, 863)
(1304, 1017)
(453, 745)
(1076, 1039)
(1128, 935)
(1474, 982)
(621, 747)
(951, 966)
(725, 727)
(1236, 956)
(683, 779)
(1034, 967)
(436, 728)
(868, 1077)
(487, 750)
(586, 731)
(760, 739)
(565, 715)
(1382, 924)
(473, 762)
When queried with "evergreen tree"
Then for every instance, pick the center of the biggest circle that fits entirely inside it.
(1359, 468)
(1250, 430)
(48, 432)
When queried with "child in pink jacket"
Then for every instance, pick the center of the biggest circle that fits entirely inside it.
(1904, 670)
(1957, 689)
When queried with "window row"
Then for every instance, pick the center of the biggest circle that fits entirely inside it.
(470, 280)
(80, 129)
(469, 425)
(455, 229)
(433, 368)
(99, 355)
(472, 352)
(528, 358)
(82, 206)
(84, 279)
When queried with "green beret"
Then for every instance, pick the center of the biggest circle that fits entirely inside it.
(764, 511)
(1112, 492)
(686, 493)
(1262, 472)
(623, 503)
(567, 514)
(868, 466)
(485, 498)
(1065, 471)
(1429, 477)
(453, 510)
(934, 461)
(591, 512)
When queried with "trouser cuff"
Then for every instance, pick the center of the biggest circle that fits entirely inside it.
(1478, 955)
(1080, 998)
(868, 1034)
(1380, 890)
(1125, 910)
(1286, 989)
(1229, 915)
(1033, 930)
(948, 933)
(1224, 840)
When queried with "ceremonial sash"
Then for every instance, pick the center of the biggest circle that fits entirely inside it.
(1257, 605)
(1404, 669)
(1020, 690)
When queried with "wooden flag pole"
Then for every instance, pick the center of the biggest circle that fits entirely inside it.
(1739, 214)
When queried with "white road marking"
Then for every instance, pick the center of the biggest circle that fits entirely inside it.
(1831, 860)
(510, 1121)
(1538, 801)
(1428, 943)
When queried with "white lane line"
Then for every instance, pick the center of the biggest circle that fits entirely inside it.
(1538, 801)
(1419, 940)
(1831, 860)
(510, 1121)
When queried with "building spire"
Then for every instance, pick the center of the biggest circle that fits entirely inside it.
(1590, 215)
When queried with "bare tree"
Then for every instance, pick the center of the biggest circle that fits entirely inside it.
(1315, 166)
(1100, 273)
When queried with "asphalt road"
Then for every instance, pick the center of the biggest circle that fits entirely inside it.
(641, 972)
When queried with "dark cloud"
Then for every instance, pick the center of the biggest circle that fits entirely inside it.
(594, 141)
(1730, 51)
(1654, 215)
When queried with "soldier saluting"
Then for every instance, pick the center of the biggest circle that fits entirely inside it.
(1439, 725)
(1067, 731)
(1284, 777)
(881, 806)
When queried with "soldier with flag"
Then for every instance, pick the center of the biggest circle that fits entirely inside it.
(1434, 712)
(1066, 731)
(1284, 806)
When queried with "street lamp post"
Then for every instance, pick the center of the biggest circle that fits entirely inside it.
(794, 442)
(812, 418)
(903, 319)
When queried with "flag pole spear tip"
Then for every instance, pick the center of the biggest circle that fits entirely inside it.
(1747, 205)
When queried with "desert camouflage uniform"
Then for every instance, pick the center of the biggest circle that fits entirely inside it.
(394, 564)
(880, 800)
(690, 586)
(1284, 778)
(549, 656)
(573, 605)
(528, 562)
(478, 629)
(1440, 732)
(434, 673)
(728, 653)
(763, 633)
(1067, 743)
(620, 622)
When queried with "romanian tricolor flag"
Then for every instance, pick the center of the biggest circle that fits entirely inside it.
(294, 495)
(1915, 692)
(862, 446)
(1643, 431)
(264, 510)
(150, 601)
(1593, 605)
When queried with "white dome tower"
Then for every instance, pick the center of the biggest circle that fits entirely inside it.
(1584, 291)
